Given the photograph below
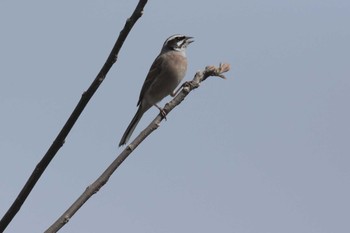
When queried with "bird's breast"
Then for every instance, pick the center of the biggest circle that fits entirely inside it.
(173, 70)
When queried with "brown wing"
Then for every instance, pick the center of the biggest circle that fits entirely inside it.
(153, 72)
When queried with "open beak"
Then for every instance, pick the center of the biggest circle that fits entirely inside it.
(189, 39)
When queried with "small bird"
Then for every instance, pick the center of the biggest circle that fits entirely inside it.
(165, 74)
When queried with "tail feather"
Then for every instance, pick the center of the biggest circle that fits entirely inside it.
(128, 132)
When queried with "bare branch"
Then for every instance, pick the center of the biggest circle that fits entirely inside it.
(60, 139)
(102, 180)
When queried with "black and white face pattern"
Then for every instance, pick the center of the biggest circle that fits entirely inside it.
(177, 42)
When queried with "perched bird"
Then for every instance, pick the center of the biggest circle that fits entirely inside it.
(165, 74)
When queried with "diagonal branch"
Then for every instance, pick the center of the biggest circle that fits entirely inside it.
(102, 180)
(60, 139)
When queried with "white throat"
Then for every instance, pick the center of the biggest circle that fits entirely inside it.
(179, 49)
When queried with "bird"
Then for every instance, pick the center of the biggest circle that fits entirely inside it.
(166, 73)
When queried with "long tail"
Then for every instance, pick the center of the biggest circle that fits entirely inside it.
(131, 126)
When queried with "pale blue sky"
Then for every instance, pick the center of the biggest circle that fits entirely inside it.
(265, 151)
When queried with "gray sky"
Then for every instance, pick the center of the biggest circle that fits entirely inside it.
(266, 151)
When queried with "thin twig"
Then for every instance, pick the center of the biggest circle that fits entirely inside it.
(60, 139)
(102, 180)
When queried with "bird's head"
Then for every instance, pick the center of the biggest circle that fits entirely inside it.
(177, 42)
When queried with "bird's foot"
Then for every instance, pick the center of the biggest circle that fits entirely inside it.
(162, 112)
